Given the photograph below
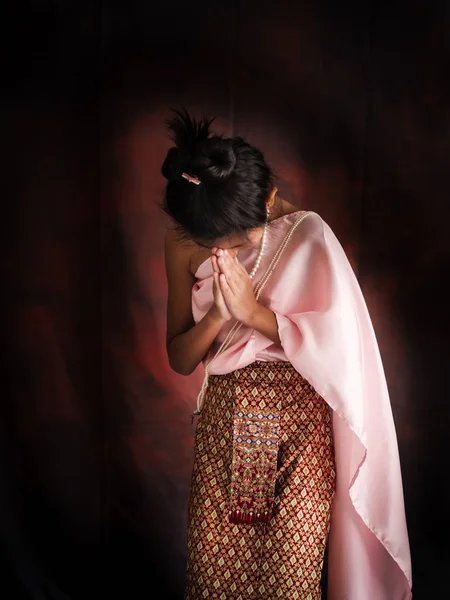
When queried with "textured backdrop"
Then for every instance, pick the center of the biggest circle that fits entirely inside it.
(350, 105)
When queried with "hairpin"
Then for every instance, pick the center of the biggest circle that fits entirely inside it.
(191, 179)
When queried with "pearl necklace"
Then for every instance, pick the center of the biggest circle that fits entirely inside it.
(261, 248)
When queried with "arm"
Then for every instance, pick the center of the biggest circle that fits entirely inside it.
(264, 321)
(186, 342)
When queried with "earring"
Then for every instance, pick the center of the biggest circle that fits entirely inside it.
(268, 212)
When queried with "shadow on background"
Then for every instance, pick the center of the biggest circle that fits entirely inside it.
(350, 105)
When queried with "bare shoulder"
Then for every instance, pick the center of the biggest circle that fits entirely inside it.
(178, 249)
(174, 240)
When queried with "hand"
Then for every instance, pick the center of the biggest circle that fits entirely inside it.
(235, 285)
(219, 309)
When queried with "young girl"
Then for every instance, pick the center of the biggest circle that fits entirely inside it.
(295, 440)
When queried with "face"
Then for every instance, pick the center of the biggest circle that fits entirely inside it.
(234, 242)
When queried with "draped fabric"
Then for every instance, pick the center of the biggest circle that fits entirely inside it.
(281, 558)
(327, 335)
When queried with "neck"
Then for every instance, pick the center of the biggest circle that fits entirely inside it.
(277, 209)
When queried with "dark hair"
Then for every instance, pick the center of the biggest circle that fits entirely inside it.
(235, 181)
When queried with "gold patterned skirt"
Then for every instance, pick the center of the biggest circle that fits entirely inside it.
(281, 558)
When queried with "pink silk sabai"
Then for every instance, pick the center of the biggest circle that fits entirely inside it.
(327, 334)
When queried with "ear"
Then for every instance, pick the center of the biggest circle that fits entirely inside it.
(271, 197)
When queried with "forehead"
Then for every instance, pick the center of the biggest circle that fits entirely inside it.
(232, 241)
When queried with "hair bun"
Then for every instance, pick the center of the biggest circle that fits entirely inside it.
(214, 161)
(186, 133)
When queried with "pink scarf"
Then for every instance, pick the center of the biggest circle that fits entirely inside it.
(327, 335)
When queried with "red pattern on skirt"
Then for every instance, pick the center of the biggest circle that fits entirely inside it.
(284, 558)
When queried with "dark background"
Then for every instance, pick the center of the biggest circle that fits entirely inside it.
(350, 103)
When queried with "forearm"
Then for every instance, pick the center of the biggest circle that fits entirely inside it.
(264, 321)
(186, 350)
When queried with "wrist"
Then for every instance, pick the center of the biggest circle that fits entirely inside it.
(264, 320)
(215, 317)
(253, 315)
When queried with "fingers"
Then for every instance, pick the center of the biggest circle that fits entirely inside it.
(225, 263)
(214, 258)
(227, 260)
(216, 286)
(217, 292)
(225, 288)
(223, 252)
(233, 271)
(215, 266)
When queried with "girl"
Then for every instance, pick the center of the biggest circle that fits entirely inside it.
(295, 439)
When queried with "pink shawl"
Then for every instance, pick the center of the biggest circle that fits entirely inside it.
(327, 335)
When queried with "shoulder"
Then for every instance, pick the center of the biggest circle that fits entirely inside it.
(310, 232)
(175, 242)
(315, 233)
(178, 249)
(308, 224)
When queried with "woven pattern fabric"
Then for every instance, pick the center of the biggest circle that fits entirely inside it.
(284, 557)
(256, 435)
